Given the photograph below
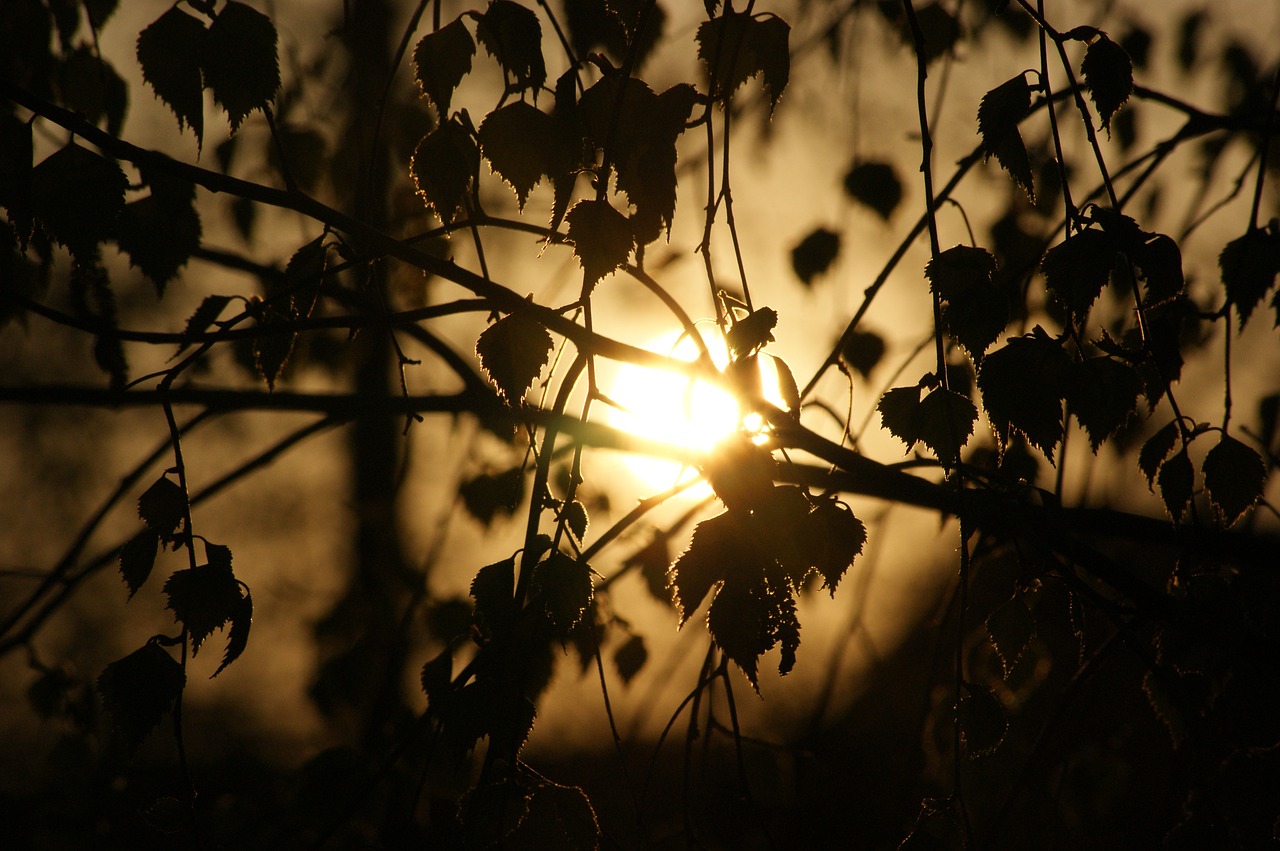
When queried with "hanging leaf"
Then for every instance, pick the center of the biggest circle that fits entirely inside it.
(564, 585)
(946, 422)
(738, 622)
(205, 315)
(518, 141)
(601, 238)
(513, 352)
(1103, 394)
(512, 35)
(630, 658)
(875, 185)
(163, 507)
(488, 495)
(90, 86)
(1177, 477)
(1076, 270)
(437, 679)
(862, 351)
(558, 817)
(443, 166)
(736, 47)
(1158, 261)
(814, 254)
(204, 598)
(838, 538)
(1011, 629)
(1156, 449)
(1108, 72)
(1249, 267)
(615, 26)
(975, 310)
(440, 61)
(752, 332)
(170, 51)
(575, 518)
(1234, 477)
(159, 233)
(239, 61)
(713, 552)
(78, 195)
(1023, 385)
(940, 28)
(137, 558)
(140, 689)
(16, 156)
(238, 634)
(982, 720)
(1001, 110)
(900, 414)
(493, 589)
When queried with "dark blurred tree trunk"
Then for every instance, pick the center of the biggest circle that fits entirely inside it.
(361, 670)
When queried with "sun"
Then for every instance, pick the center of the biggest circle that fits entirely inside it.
(662, 406)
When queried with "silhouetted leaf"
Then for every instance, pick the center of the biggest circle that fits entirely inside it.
(204, 598)
(653, 560)
(90, 85)
(1023, 385)
(740, 472)
(203, 317)
(946, 422)
(983, 722)
(138, 690)
(900, 414)
(239, 61)
(736, 46)
(1076, 270)
(975, 309)
(159, 233)
(575, 518)
(1234, 477)
(493, 589)
(1011, 628)
(1249, 266)
(814, 254)
(788, 390)
(440, 61)
(16, 156)
(512, 35)
(238, 634)
(558, 817)
(78, 196)
(601, 238)
(838, 537)
(1176, 479)
(1158, 261)
(137, 558)
(99, 11)
(630, 658)
(738, 622)
(1001, 110)
(1156, 449)
(518, 141)
(875, 185)
(170, 51)
(163, 507)
(615, 25)
(862, 350)
(564, 584)
(513, 352)
(1108, 72)
(708, 560)
(940, 29)
(443, 166)
(488, 495)
(437, 679)
(752, 332)
(1103, 395)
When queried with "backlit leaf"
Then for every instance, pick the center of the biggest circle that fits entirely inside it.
(518, 141)
(204, 598)
(513, 352)
(90, 85)
(740, 472)
(714, 552)
(1023, 385)
(752, 332)
(737, 46)
(1176, 479)
(601, 238)
(159, 233)
(437, 678)
(875, 185)
(862, 350)
(238, 634)
(975, 310)
(558, 817)
(1234, 477)
(630, 658)
(575, 518)
(1001, 110)
(614, 25)
(170, 51)
(493, 589)
(982, 720)
(490, 494)
(1156, 449)
(1011, 628)
(239, 61)
(1103, 395)
(440, 61)
(738, 621)
(140, 689)
(1076, 270)
(203, 317)
(1108, 72)
(137, 558)
(840, 537)
(1158, 261)
(78, 195)
(443, 166)
(946, 422)
(814, 254)
(1249, 267)
(163, 507)
(16, 157)
(512, 35)
(564, 585)
(900, 414)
